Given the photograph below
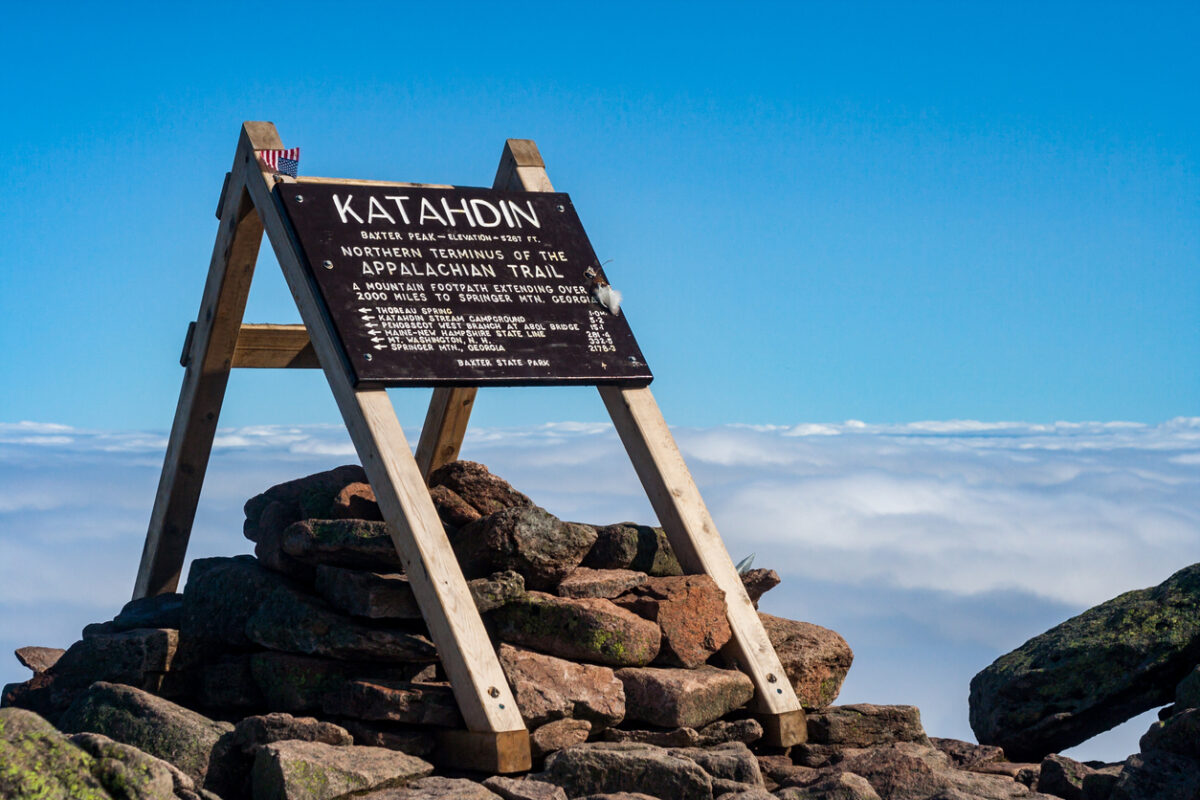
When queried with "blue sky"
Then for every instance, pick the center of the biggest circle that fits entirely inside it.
(817, 213)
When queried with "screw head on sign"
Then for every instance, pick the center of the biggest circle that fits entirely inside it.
(367, 356)
(562, 208)
(299, 198)
(327, 264)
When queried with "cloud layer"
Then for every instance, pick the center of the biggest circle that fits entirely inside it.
(933, 547)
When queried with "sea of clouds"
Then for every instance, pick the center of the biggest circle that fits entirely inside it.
(933, 547)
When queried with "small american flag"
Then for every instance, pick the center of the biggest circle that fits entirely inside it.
(285, 161)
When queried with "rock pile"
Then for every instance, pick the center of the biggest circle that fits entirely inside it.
(305, 672)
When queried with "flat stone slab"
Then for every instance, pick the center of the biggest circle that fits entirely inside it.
(293, 770)
(606, 583)
(688, 698)
(586, 629)
(549, 688)
(38, 659)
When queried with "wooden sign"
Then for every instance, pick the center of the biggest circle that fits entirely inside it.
(429, 287)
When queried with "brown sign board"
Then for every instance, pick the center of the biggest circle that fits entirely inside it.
(437, 287)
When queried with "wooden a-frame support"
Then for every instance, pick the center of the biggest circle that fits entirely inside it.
(496, 738)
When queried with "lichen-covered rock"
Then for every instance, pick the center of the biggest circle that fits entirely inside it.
(37, 761)
(557, 735)
(157, 726)
(670, 737)
(548, 688)
(627, 545)
(292, 622)
(1095, 670)
(608, 767)
(528, 540)
(310, 497)
(606, 583)
(866, 725)
(689, 698)
(477, 487)
(131, 774)
(291, 770)
(690, 612)
(587, 629)
(815, 659)
(394, 701)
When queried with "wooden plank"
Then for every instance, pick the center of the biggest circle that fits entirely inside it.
(359, 182)
(444, 428)
(521, 169)
(230, 270)
(698, 545)
(479, 685)
(485, 752)
(274, 346)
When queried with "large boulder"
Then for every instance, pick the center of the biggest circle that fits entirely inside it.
(354, 543)
(528, 540)
(689, 698)
(435, 787)
(815, 659)
(549, 688)
(606, 583)
(477, 487)
(157, 726)
(160, 611)
(690, 612)
(1092, 672)
(586, 629)
(40, 762)
(38, 659)
(627, 545)
(609, 767)
(293, 770)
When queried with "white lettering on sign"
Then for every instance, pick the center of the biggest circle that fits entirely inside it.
(475, 212)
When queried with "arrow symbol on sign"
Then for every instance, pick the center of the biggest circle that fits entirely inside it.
(377, 339)
(364, 311)
(380, 347)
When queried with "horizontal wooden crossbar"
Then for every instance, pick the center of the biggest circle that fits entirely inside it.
(274, 346)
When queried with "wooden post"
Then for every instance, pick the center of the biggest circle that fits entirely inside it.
(212, 345)
(489, 709)
(521, 168)
(697, 544)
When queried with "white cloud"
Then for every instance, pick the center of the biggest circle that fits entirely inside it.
(969, 535)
